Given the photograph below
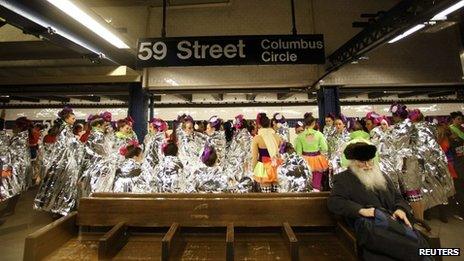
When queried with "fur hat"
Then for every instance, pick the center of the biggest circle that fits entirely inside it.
(361, 151)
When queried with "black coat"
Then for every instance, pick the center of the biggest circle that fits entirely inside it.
(349, 195)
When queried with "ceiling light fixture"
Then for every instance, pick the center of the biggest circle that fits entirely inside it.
(407, 33)
(80, 16)
(49, 27)
(443, 14)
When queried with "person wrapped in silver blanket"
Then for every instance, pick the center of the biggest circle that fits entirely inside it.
(210, 177)
(437, 184)
(216, 137)
(294, 174)
(129, 177)
(152, 143)
(190, 143)
(99, 163)
(280, 125)
(381, 137)
(239, 158)
(169, 175)
(58, 190)
(336, 143)
(16, 175)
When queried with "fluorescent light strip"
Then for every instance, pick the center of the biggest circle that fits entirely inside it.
(442, 15)
(80, 16)
(407, 33)
(46, 25)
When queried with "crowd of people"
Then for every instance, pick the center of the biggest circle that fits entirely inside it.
(71, 160)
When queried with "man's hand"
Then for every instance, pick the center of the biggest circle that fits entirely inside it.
(367, 212)
(399, 214)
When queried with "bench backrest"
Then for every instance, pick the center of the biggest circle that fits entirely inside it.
(205, 210)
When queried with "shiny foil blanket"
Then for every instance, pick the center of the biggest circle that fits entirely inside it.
(238, 158)
(218, 141)
(437, 184)
(16, 164)
(210, 180)
(328, 131)
(190, 147)
(283, 131)
(58, 190)
(387, 154)
(152, 150)
(129, 177)
(99, 165)
(294, 174)
(169, 177)
(336, 143)
(404, 136)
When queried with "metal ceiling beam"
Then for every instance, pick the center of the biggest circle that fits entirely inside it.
(376, 95)
(312, 95)
(56, 105)
(34, 50)
(56, 98)
(91, 98)
(123, 98)
(284, 96)
(250, 97)
(393, 22)
(233, 104)
(398, 18)
(230, 90)
(460, 95)
(24, 99)
(65, 89)
(156, 98)
(348, 95)
(441, 94)
(412, 94)
(185, 97)
(218, 97)
(407, 101)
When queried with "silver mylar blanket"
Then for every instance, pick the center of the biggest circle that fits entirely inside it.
(58, 190)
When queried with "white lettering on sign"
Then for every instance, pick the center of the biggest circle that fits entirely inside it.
(186, 50)
(182, 47)
(296, 44)
(279, 57)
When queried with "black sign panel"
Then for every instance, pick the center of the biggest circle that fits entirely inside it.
(231, 50)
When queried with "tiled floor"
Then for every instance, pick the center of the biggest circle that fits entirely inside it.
(17, 227)
(26, 220)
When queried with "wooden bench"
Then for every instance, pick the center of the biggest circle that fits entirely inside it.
(290, 226)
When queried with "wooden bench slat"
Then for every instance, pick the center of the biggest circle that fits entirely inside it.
(197, 212)
(230, 238)
(113, 241)
(291, 241)
(208, 195)
(47, 239)
(170, 242)
(347, 236)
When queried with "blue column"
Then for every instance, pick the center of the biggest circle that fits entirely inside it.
(138, 109)
(327, 102)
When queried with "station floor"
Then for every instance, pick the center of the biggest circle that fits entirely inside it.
(25, 221)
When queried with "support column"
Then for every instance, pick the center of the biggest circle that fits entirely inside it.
(152, 107)
(327, 102)
(138, 109)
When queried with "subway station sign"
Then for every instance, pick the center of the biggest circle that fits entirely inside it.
(231, 50)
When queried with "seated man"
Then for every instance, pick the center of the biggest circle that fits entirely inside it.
(363, 196)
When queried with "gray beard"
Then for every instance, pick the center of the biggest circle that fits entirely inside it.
(372, 179)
